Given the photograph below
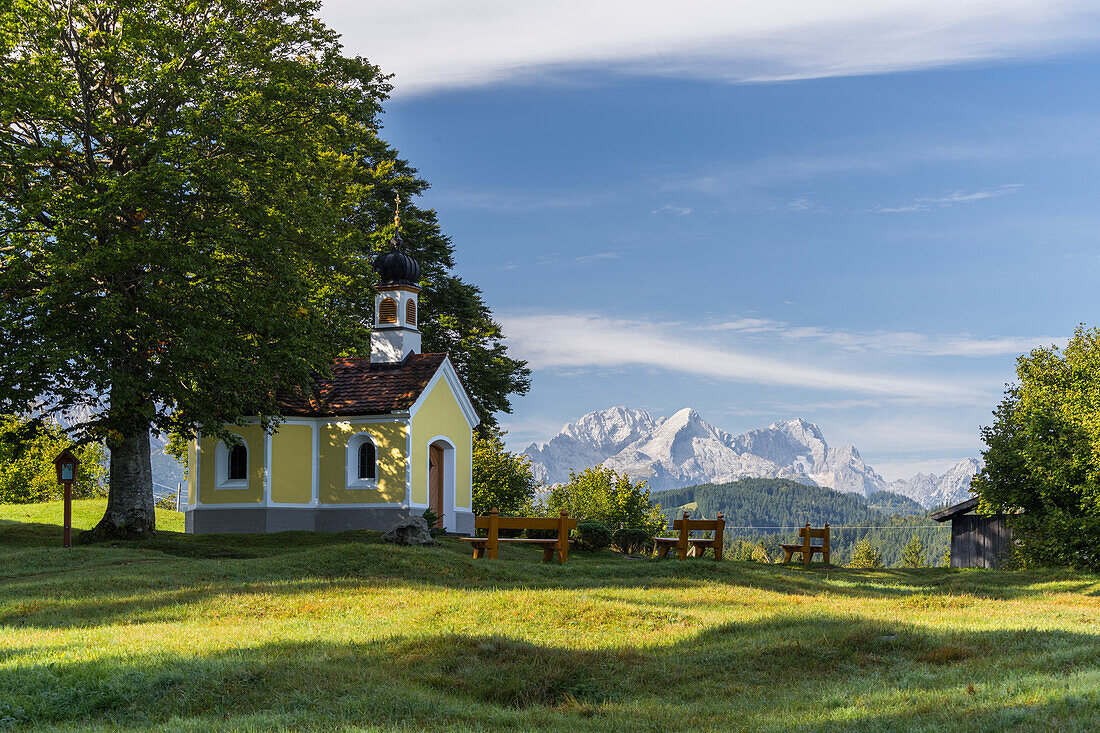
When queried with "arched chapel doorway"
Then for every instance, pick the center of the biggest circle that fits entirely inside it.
(441, 481)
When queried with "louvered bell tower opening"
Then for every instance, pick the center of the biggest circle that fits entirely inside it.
(395, 335)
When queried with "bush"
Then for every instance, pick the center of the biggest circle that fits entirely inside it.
(761, 554)
(865, 556)
(632, 540)
(593, 535)
(600, 493)
(27, 474)
(166, 501)
(434, 522)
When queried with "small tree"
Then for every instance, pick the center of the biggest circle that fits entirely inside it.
(865, 556)
(501, 479)
(945, 561)
(913, 555)
(760, 553)
(1042, 462)
(600, 493)
(27, 450)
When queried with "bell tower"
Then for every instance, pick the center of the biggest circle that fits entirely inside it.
(394, 334)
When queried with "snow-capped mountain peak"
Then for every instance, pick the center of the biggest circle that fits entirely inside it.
(684, 449)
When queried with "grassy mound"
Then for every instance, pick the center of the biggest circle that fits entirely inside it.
(299, 631)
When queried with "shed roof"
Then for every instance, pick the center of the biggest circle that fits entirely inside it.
(952, 511)
(358, 387)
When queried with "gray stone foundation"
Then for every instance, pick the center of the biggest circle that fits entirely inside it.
(464, 523)
(214, 520)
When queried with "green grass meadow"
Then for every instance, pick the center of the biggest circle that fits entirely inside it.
(299, 631)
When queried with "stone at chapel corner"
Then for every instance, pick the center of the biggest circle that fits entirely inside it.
(411, 531)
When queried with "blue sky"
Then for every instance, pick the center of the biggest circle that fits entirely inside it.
(858, 213)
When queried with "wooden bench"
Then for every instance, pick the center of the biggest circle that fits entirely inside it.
(494, 523)
(807, 533)
(688, 546)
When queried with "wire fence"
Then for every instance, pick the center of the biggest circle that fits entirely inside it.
(905, 527)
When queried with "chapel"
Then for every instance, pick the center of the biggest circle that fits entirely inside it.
(380, 440)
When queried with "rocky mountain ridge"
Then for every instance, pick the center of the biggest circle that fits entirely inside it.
(684, 450)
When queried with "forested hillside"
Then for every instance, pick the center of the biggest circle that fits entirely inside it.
(770, 511)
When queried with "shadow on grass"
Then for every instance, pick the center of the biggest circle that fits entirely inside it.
(777, 674)
(158, 580)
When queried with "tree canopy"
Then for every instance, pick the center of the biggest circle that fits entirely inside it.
(601, 494)
(190, 197)
(1042, 457)
(501, 479)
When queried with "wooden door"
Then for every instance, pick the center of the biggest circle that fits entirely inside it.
(435, 479)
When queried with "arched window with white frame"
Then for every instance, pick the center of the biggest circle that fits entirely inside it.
(362, 462)
(231, 465)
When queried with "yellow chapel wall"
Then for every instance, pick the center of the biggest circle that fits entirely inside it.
(441, 415)
(292, 464)
(253, 436)
(389, 441)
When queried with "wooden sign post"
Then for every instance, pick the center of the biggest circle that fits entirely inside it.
(66, 465)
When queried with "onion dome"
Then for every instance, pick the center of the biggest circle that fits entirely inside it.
(396, 267)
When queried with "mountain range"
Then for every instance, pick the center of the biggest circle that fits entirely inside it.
(685, 450)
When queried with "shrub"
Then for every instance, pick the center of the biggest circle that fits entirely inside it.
(631, 540)
(593, 535)
(433, 520)
(166, 501)
(600, 493)
(761, 554)
(27, 449)
(865, 556)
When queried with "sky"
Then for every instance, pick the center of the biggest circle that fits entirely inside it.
(857, 213)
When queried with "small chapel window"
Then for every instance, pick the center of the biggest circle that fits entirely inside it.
(410, 313)
(387, 311)
(367, 460)
(238, 463)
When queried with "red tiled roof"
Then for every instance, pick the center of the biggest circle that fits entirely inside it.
(358, 387)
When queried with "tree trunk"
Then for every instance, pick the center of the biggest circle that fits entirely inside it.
(130, 497)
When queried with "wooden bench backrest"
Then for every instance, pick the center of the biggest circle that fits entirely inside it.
(701, 525)
(807, 533)
(524, 522)
(687, 525)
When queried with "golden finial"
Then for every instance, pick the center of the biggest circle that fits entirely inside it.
(397, 211)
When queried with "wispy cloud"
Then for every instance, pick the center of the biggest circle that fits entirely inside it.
(595, 342)
(438, 44)
(889, 342)
(671, 209)
(952, 199)
(875, 157)
(805, 205)
(552, 259)
(512, 202)
(598, 256)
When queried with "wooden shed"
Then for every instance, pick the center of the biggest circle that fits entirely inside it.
(976, 541)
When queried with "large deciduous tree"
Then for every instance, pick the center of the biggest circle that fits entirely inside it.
(1042, 460)
(191, 192)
